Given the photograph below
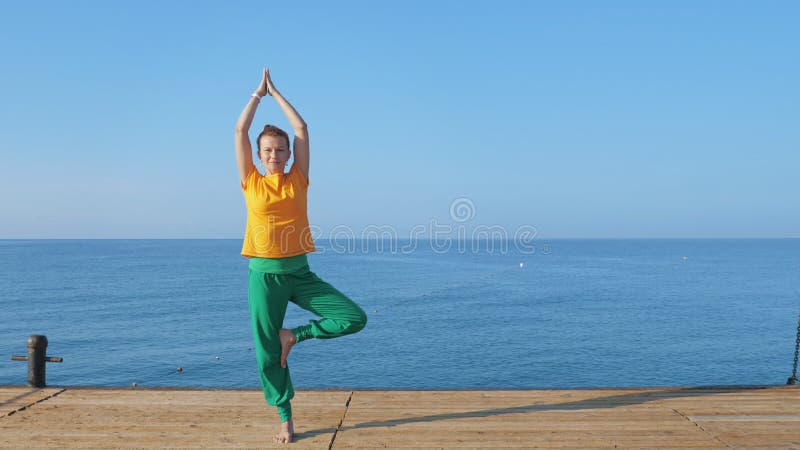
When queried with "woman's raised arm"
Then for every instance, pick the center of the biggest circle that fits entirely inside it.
(301, 147)
(244, 150)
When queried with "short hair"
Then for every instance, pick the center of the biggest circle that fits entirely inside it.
(272, 130)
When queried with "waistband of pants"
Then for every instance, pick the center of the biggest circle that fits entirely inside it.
(288, 264)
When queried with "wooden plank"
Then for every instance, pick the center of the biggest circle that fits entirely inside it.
(747, 417)
(158, 418)
(459, 419)
(16, 398)
(674, 417)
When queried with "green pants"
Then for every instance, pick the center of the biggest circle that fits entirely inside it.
(273, 282)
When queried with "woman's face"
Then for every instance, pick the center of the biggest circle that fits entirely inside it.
(274, 153)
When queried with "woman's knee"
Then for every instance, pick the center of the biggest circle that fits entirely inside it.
(358, 322)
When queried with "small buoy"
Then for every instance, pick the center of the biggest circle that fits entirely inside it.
(133, 385)
(521, 265)
(180, 369)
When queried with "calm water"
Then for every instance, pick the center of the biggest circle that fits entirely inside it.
(580, 313)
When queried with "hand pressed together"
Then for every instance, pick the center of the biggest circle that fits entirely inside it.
(265, 86)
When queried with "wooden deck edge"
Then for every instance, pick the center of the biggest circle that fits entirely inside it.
(346, 389)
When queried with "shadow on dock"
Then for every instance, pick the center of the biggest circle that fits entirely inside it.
(612, 401)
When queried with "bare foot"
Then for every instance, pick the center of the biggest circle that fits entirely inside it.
(288, 339)
(287, 433)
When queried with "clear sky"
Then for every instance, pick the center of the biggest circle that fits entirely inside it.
(595, 119)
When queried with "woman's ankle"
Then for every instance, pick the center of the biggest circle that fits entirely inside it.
(302, 333)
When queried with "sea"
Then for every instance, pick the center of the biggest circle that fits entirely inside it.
(483, 314)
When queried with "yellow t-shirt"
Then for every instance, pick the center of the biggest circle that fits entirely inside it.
(277, 215)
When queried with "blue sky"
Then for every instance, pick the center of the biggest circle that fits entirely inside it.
(582, 119)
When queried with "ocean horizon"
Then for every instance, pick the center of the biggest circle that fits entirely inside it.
(571, 313)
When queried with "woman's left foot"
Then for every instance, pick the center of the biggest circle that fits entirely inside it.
(288, 339)
(286, 434)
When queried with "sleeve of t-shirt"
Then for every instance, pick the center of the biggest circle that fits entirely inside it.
(249, 180)
(299, 175)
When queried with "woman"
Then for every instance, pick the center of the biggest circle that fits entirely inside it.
(277, 238)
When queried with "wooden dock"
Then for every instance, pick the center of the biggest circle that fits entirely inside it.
(670, 417)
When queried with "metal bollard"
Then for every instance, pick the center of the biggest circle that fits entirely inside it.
(37, 349)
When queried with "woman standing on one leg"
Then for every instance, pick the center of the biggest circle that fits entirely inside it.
(276, 240)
